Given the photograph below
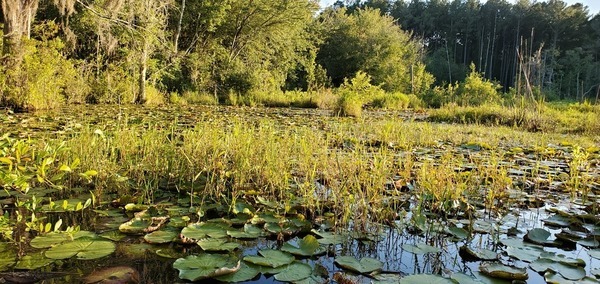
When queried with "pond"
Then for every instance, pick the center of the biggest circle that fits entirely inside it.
(259, 195)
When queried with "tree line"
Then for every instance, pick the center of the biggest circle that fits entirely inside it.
(124, 51)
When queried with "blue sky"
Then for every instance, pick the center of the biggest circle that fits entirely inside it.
(593, 5)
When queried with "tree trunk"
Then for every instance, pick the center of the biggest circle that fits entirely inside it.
(179, 24)
(18, 15)
(141, 97)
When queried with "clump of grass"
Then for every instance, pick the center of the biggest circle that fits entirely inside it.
(199, 98)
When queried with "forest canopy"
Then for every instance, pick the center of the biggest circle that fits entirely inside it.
(148, 51)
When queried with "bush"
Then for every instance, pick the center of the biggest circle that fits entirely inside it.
(176, 99)
(199, 98)
(154, 97)
(397, 101)
(354, 94)
(476, 90)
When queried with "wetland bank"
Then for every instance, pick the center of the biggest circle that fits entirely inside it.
(256, 195)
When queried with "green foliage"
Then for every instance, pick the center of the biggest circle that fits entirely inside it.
(353, 95)
(369, 42)
(476, 90)
(199, 98)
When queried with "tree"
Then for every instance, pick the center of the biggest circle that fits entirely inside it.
(369, 42)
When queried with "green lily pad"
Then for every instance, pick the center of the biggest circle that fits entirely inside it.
(118, 274)
(426, 278)
(135, 226)
(365, 265)
(113, 235)
(556, 278)
(524, 253)
(54, 238)
(204, 230)
(458, 233)
(245, 273)
(386, 278)
(308, 246)
(243, 207)
(559, 221)
(84, 248)
(538, 236)
(294, 272)
(596, 272)
(33, 261)
(285, 228)
(194, 267)
(498, 270)
(271, 258)
(327, 238)
(595, 253)
(248, 232)
(420, 248)
(169, 253)
(563, 259)
(479, 253)
(567, 271)
(161, 237)
(313, 279)
(462, 278)
(261, 219)
(216, 245)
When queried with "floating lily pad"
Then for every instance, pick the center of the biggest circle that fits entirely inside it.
(327, 238)
(524, 253)
(243, 207)
(563, 259)
(308, 246)
(54, 238)
(294, 272)
(365, 265)
(169, 253)
(204, 230)
(113, 235)
(194, 267)
(567, 271)
(426, 278)
(135, 226)
(161, 237)
(386, 278)
(215, 245)
(538, 236)
(261, 219)
(314, 279)
(555, 278)
(271, 258)
(248, 232)
(283, 228)
(84, 248)
(498, 270)
(245, 273)
(458, 233)
(595, 253)
(462, 278)
(33, 261)
(420, 248)
(118, 274)
(479, 253)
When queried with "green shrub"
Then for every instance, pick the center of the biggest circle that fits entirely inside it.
(397, 101)
(154, 96)
(354, 94)
(176, 99)
(476, 90)
(199, 98)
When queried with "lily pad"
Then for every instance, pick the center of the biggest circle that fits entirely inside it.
(555, 278)
(327, 238)
(248, 232)
(479, 253)
(294, 272)
(245, 273)
(365, 265)
(84, 248)
(118, 274)
(194, 267)
(458, 233)
(462, 278)
(524, 253)
(216, 245)
(426, 278)
(204, 230)
(595, 253)
(54, 238)
(33, 261)
(307, 246)
(271, 258)
(538, 236)
(567, 271)
(135, 226)
(8, 257)
(420, 248)
(161, 237)
(498, 270)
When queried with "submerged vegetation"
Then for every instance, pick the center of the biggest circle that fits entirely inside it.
(90, 183)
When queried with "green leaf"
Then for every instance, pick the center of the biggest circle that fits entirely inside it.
(462, 278)
(308, 246)
(567, 271)
(84, 248)
(217, 245)
(524, 252)
(479, 253)
(161, 237)
(498, 270)
(426, 278)
(33, 261)
(595, 253)
(204, 230)
(294, 272)
(204, 266)
(245, 273)
(248, 232)
(420, 248)
(271, 258)
(327, 238)
(365, 265)
(538, 236)
(8, 257)
(555, 278)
